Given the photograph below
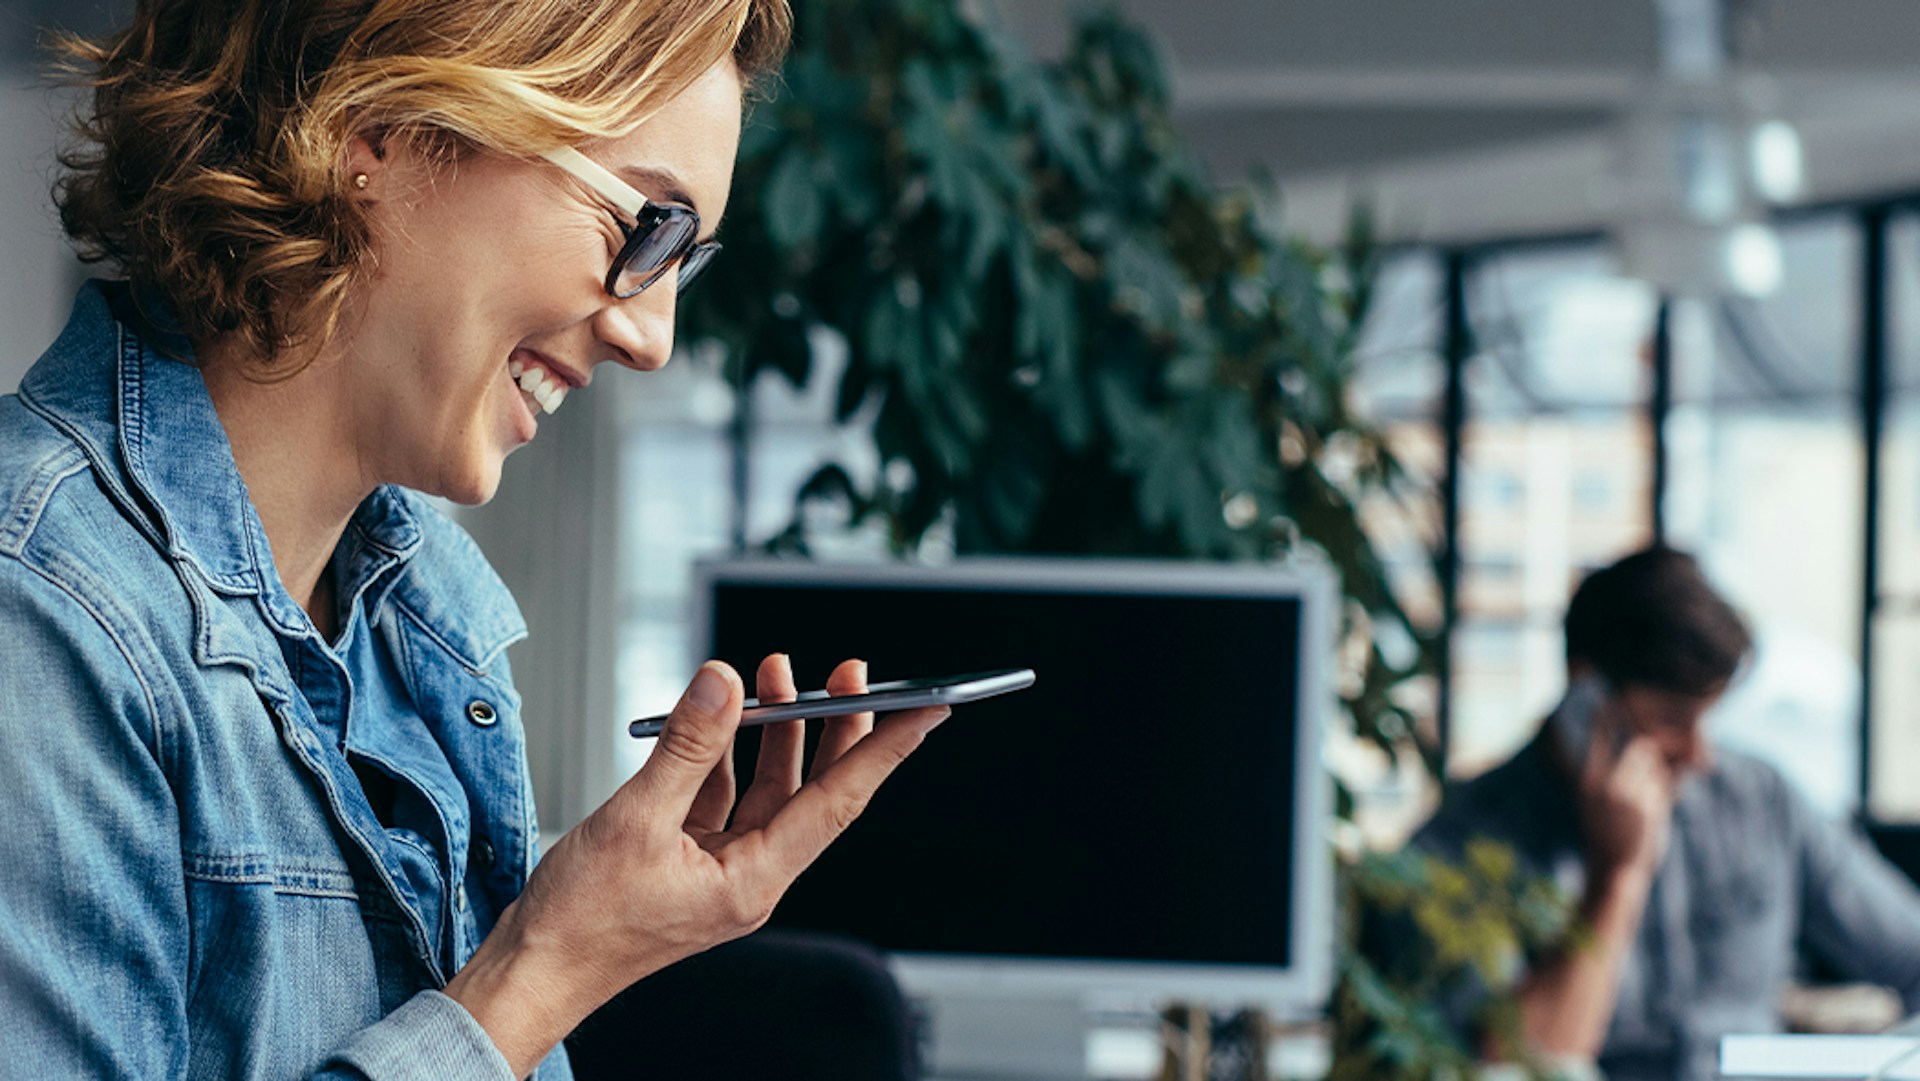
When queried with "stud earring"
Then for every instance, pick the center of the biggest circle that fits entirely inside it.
(361, 180)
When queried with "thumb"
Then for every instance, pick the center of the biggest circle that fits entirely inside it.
(698, 733)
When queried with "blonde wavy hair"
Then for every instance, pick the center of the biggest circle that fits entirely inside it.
(209, 167)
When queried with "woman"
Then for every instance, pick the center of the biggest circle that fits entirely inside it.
(263, 801)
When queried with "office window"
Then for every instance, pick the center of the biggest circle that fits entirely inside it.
(1398, 384)
(678, 507)
(1555, 476)
(1893, 795)
(681, 495)
(1766, 487)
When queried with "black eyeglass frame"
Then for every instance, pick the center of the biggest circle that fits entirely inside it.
(649, 218)
(692, 255)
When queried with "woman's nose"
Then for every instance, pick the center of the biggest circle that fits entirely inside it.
(640, 327)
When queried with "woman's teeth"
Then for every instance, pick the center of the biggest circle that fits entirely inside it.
(538, 383)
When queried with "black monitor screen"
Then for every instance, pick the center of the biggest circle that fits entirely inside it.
(1135, 804)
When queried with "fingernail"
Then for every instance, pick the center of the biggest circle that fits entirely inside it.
(709, 690)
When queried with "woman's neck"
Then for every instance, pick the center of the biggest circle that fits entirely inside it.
(292, 440)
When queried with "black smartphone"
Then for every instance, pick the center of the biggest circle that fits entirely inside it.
(880, 697)
(1576, 716)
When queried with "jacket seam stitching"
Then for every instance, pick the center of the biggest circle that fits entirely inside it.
(404, 647)
(475, 667)
(256, 870)
(130, 503)
(119, 644)
(39, 492)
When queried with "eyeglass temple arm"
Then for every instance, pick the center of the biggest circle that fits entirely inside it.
(599, 178)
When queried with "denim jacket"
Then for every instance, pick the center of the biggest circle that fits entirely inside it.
(194, 881)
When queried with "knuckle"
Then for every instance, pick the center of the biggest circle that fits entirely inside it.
(749, 909)
(762, 910)
(691, 744)
(617, 826)
(844, 810)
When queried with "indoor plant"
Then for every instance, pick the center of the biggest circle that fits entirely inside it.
(1069, 340)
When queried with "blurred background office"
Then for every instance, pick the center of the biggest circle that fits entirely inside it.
(1645, 271)
(1629, 273)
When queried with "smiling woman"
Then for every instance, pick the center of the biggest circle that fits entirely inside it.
(265, 787)
(219, 129)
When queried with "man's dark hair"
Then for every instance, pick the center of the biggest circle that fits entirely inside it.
(1653, 620)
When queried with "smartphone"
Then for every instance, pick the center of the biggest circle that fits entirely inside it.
(1578, 713)
(880, 697)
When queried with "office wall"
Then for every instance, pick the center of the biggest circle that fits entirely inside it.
(38, 272)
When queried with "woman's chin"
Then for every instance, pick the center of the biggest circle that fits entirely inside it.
(473, 486)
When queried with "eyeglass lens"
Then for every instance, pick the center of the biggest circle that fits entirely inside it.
(653, 247)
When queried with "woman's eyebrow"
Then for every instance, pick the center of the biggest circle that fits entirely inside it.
(662, 183)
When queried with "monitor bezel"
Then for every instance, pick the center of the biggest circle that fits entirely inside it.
(1302, 987)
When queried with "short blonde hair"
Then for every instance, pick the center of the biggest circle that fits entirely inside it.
(209, 167)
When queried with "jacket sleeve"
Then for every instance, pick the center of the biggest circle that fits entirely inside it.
(429, 1038)
(93, 922)
(94, 927)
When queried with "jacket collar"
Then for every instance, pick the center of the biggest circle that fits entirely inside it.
(149, 426)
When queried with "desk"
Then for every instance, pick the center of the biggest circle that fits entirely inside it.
(1769, 1056)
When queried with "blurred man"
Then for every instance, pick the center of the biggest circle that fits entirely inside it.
(1701, 872)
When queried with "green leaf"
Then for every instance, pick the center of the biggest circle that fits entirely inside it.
(1161, 484)
(853, 175)
(882, 334)
(1129, 418)
(795, 211)
(985, 233)
(1146, 280)
(1191, 372)
(1072, 415)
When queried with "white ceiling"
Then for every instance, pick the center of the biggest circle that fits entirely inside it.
(1470, 119)
(1457, 119)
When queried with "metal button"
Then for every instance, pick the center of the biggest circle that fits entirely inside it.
(460, 897)
(483, 852)
(481, 713)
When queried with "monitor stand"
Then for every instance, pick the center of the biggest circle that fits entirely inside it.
(1031, 1038)
(1002, 1039)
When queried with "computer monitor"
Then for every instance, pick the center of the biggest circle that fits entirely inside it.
(1147, 823)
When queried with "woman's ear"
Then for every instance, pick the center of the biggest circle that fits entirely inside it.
(365, 161)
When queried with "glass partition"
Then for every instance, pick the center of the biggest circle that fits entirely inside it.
(1896, 634)
(1767, 487)
(1556, 468)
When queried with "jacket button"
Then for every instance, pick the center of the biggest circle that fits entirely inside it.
(483, 852)
(481, 713)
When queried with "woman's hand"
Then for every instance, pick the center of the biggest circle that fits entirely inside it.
(659, 873)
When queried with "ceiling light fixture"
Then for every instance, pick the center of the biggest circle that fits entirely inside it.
(1703, 161)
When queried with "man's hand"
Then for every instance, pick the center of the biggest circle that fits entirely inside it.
(667, 867)
(1627, 792)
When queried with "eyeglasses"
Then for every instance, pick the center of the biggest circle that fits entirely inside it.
(660, 235)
